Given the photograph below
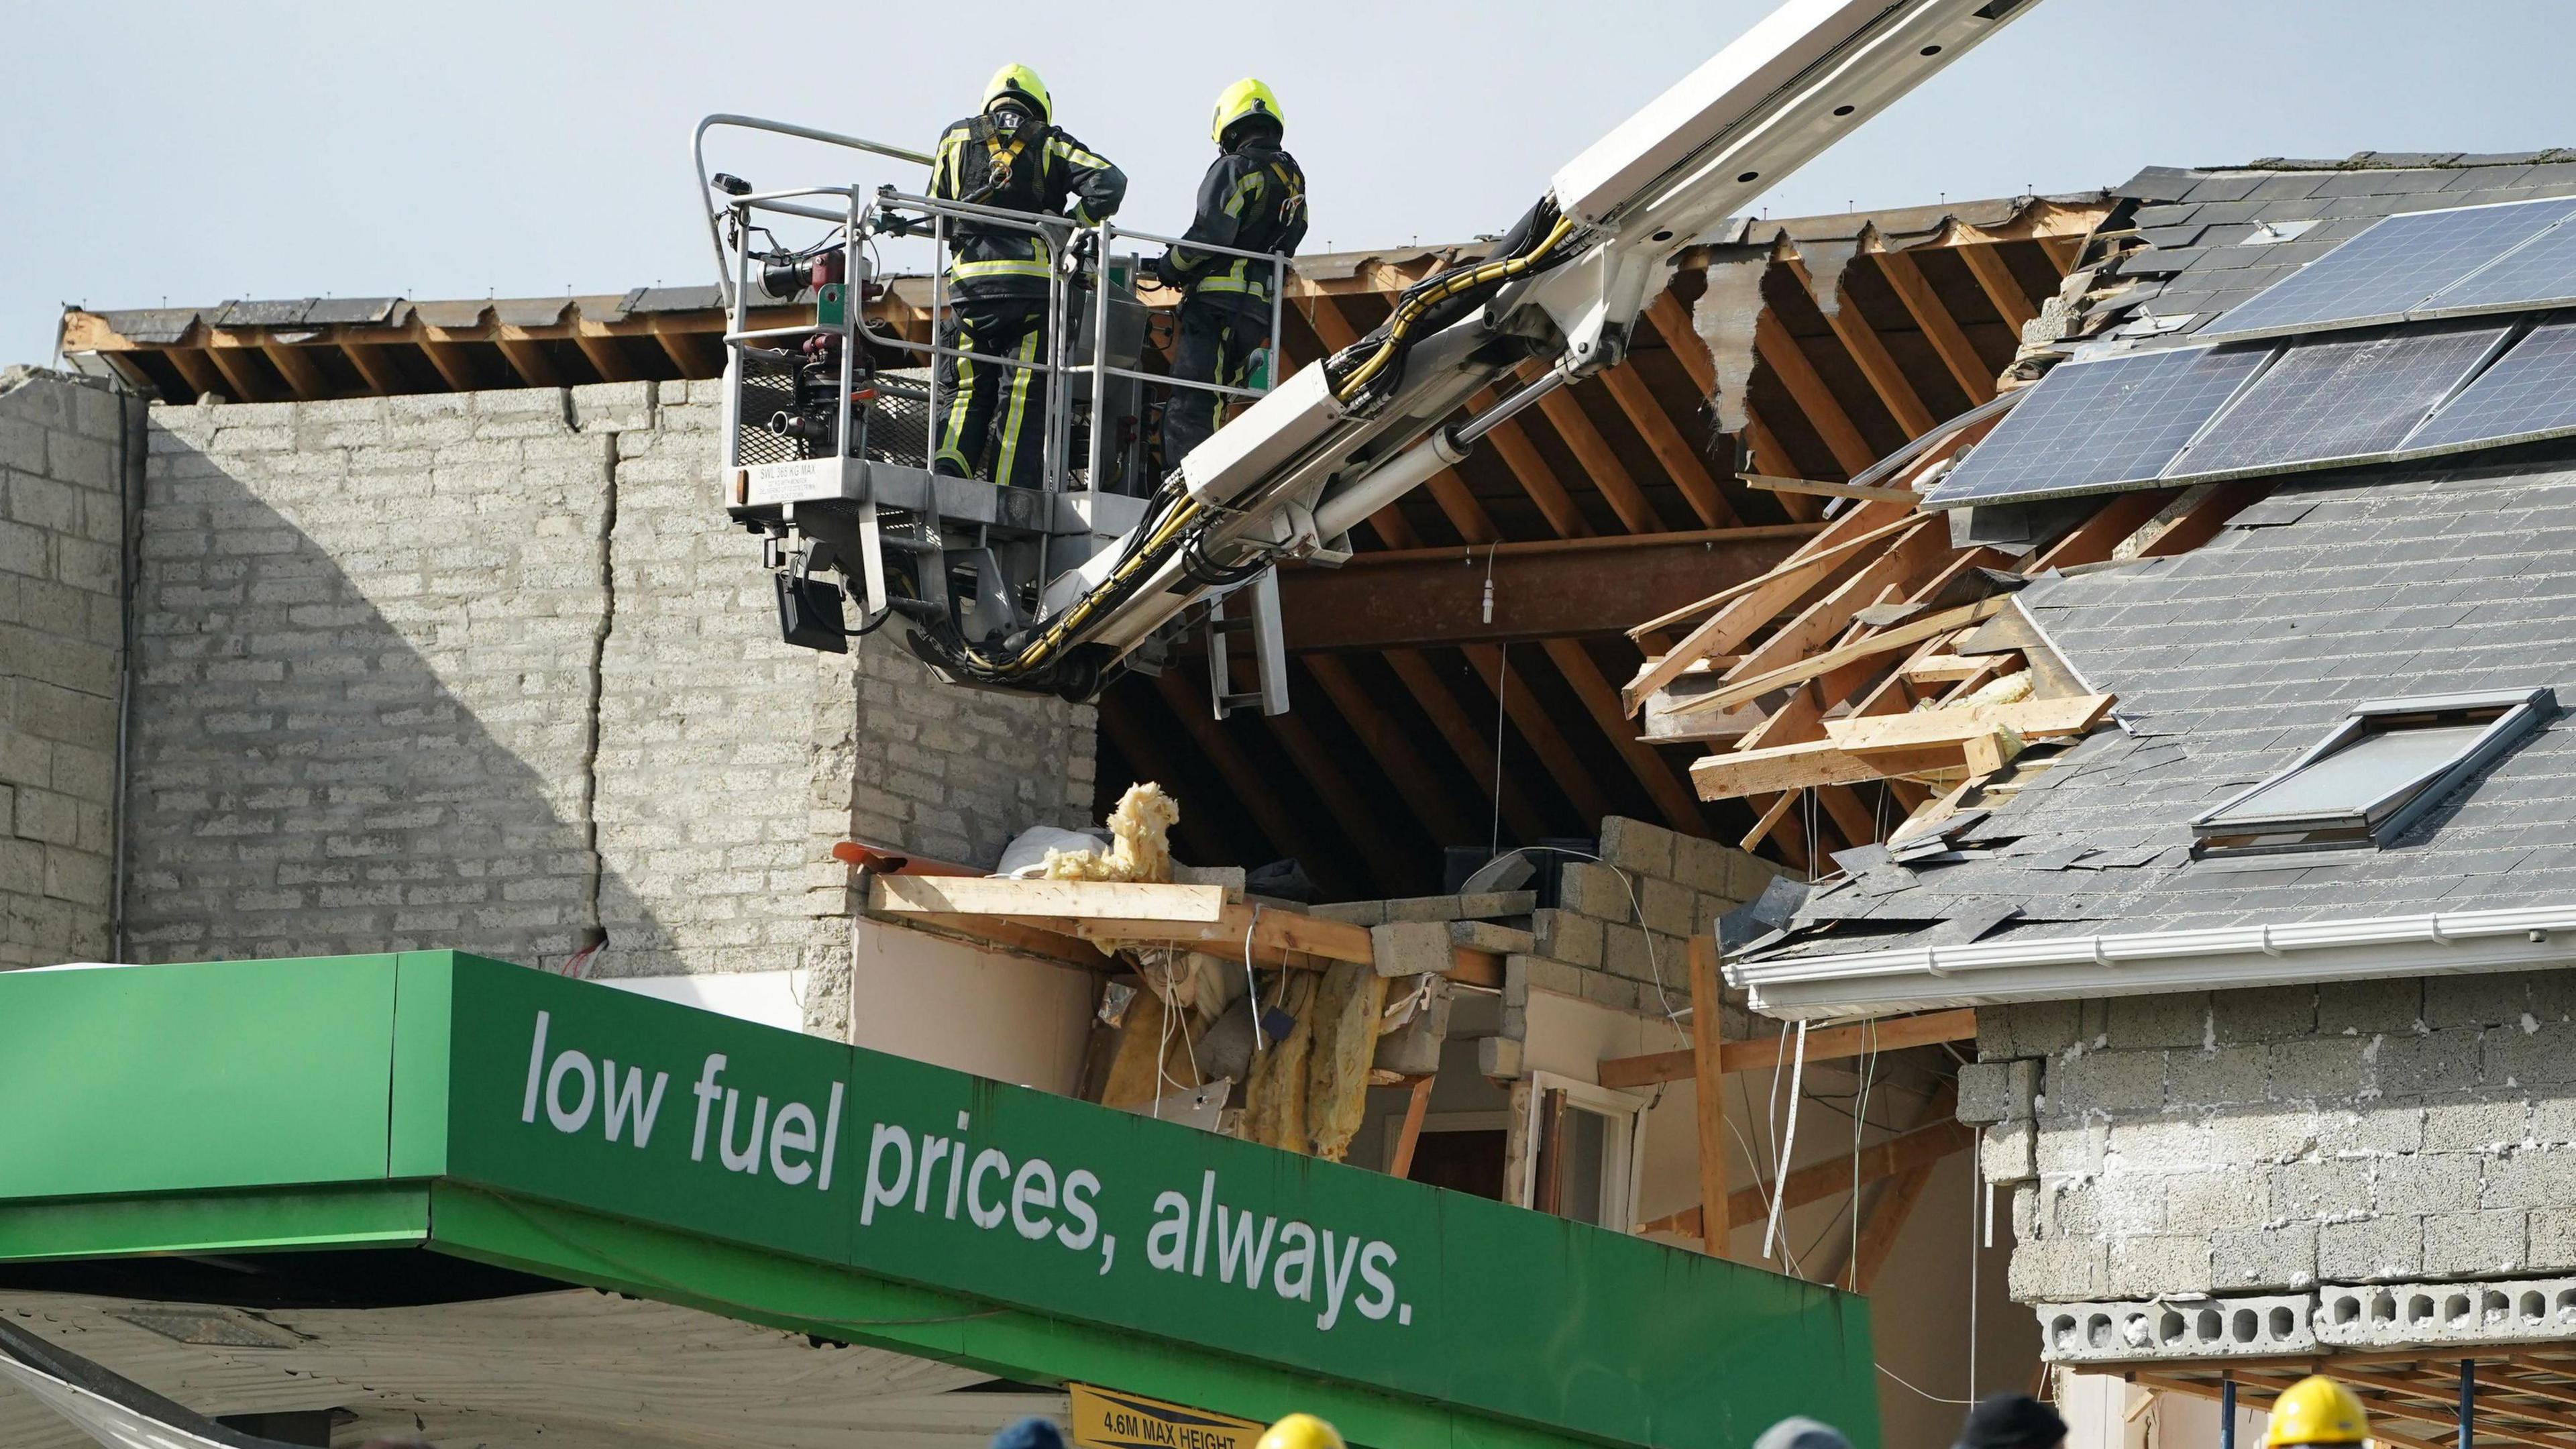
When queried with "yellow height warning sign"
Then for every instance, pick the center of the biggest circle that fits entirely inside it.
(1107, 1419)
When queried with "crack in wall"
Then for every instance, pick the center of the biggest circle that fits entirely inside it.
(595, 936)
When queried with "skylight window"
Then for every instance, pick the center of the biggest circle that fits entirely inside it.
(2375, 774)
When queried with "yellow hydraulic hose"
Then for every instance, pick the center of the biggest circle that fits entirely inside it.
(1448, 287)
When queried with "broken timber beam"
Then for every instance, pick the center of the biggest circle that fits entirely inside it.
(1886, 1035)
(1912, 632)
(1821, 489)
(1878, 746)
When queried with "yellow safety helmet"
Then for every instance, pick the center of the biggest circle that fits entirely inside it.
(1301, 1431)
(1017, 81)
(1246, 97)
(2316, 1410)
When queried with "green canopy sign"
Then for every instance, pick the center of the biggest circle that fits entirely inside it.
(462, 1105)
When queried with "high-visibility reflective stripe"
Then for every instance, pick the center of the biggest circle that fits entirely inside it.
(1242, 190)
(957, 406)
(1075, 154)
(968, 271)
(1018, 406)
(1234, 280)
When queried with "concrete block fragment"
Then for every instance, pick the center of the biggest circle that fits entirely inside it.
(1669, 908)
(2550, 1238)
(2321, 1190)
(2364, 1008)
(1596, 891)
(1998, 1091)
(1539, 973)
(1411, 948)
(2528, 1177)
(1498, 1058)
(2414, 1185)
(2408, 1313)
(2370, 1250)
(2263, 1014)
(2159, 1264)
(1486, 936)
(2227, 1197)
(2051, 1269)
(2008, 1152)
(2485, 1242)
(2479, 1000)
(1568, 936)
(2039, 1028)
(2322, 1069)
(1414, 1048)
(2282, 1257)
(2072, 1148)
(2180, 1020)
(2474, 1123)
(2445, 1061)
(1357, 913)
(2107, 1082)
(1702, 865)
(1616, 992)
(1637, 847)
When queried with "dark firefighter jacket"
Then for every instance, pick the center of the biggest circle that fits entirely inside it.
(1254, 198)
(1039, 169)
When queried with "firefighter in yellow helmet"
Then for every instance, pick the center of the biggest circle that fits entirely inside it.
(1301, 1431)
(1254, 199)
(2316, 1410)
(1011, 155)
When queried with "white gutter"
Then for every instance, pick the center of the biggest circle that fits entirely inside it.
(1875, 983)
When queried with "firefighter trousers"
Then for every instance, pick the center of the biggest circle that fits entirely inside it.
(1215, 343)
(992, 418)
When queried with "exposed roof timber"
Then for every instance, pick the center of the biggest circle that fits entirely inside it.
(1556, 588)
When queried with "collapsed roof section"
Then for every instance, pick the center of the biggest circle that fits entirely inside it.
(1932, 688)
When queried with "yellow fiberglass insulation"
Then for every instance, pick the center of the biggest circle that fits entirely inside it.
(1346, 1016)
(1274, 1101)
(1140, 846)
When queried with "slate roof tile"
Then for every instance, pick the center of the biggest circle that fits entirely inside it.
(2373, 572)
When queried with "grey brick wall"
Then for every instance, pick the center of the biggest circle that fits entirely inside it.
(493, 671)
(2274, 1139)
(62, 517)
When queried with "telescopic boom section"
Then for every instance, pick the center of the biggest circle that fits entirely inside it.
(1351, 433)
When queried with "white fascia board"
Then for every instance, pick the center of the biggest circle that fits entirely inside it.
(1875, 983)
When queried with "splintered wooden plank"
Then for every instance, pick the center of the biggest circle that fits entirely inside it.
(1069, 899)
(2032, 719)
(1902, 636)
(1820, 762)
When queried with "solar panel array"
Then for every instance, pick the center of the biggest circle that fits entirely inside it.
(2402, 267)
(2530, 393)
(2538, 273)
(2090, 426)
(2339, 399)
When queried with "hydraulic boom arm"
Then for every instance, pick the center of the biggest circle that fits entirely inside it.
(1348, 435)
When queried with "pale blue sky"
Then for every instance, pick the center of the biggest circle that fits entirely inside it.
(200, 152)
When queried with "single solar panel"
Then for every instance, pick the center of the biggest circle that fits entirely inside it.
(2097, 426)
(2390, 270)
(2539, 273)
(2339, 399)
(2529, 393)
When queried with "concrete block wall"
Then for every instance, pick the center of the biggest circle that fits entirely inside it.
(1624, 923)
(493, 670)
(64, 445)
(2276, 1139)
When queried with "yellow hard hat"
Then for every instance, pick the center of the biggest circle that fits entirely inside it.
(1246, 97)
(1301, 1431)
(2316, 1410)
(1019, 81)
